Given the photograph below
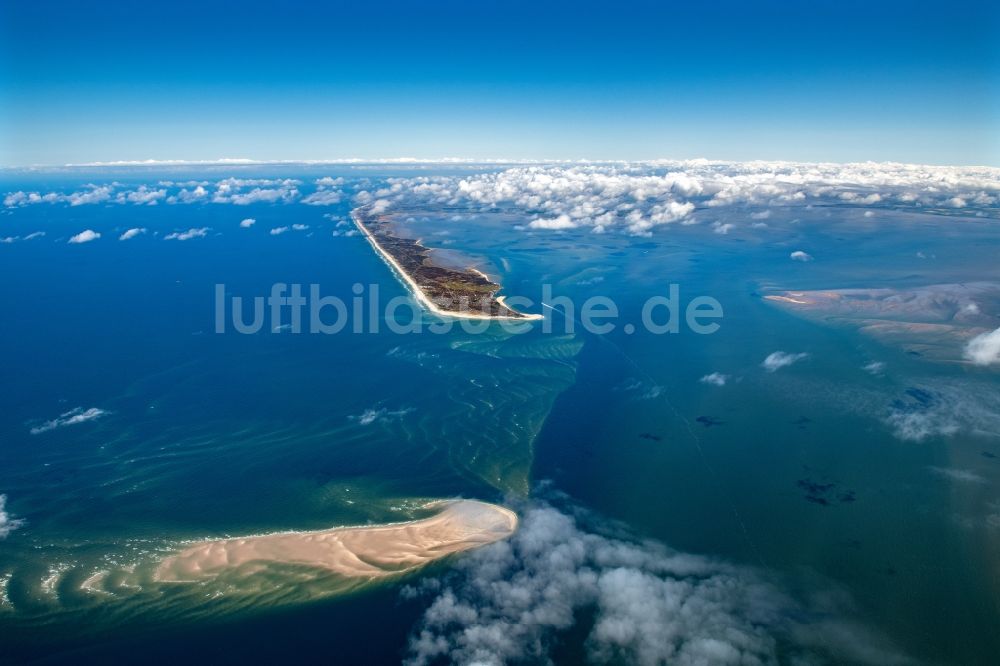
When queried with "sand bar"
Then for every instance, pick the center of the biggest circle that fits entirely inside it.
(356, 552)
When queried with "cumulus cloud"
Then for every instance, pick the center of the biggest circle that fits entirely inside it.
(187, 235)
(561, 222)
(93, 194)
(780, 359)
(85, 236)
(277, 231)
(248, 222)
(874, 368)
(243, 192)
(799, 255)
(8, 523)
(984, 349)
(638, 197)
(715, 379)
(510, 602)
(142, 195)
(199, 193)
(72, 417)
(132, 233)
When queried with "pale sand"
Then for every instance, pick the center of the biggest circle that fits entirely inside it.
(419, 293)
(356, 552)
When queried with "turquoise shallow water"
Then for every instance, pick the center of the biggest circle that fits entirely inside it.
(798, 473)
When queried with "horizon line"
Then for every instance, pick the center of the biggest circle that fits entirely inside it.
(242, 161)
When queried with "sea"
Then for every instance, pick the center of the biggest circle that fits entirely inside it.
(133, 423)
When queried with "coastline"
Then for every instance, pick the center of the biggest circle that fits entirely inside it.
(423, 298)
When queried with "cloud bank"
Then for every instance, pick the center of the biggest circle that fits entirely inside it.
(509, 602)
(638, 197)
(635, 198)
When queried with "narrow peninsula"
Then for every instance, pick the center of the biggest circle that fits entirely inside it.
(444, 291)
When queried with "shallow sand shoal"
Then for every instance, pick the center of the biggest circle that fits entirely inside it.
(369, 551)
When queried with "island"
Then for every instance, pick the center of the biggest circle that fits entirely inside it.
(444, 291)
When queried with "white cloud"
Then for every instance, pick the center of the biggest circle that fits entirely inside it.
(300, 227)
(799, 255)
(715, 379)
(7, 240)
(248, 222)
(8, 523)
(277, 231)
(723, 229)
(637, 197)
(780, 359)
(85, 236)
(984, 349)
(561, 222)
(323, 198)
(72, 417)
(511, 602)
(199, 193)
(874, 368)
(380, 206)
(187, 235)
(960, 475)
(943, 411)
(91, 196)
(236, 191)
(142, 195)
(132, 233)
(258, 195)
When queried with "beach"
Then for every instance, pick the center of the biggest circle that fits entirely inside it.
(422, 297)
(354, 552)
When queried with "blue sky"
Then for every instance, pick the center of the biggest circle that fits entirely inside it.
(839, 81)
